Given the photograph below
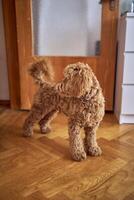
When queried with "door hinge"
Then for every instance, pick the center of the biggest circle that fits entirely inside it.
(112, 4)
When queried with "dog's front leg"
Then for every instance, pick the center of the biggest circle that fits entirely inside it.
(76, 143)
(91, 145)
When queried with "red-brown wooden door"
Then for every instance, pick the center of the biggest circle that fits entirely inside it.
(103, 65)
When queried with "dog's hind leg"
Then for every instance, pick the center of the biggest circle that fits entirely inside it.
(76, 142)
(34, 116)
(91, 145)
(44, 123)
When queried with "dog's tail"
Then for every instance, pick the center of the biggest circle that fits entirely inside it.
(42, 72)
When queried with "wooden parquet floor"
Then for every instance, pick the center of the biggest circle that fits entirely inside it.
(40, 168)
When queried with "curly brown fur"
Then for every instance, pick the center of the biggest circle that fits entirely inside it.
(41, 72)
(78, 95)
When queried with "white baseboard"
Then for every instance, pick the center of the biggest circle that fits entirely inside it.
(126, 119)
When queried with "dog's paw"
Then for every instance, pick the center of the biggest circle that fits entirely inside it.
(79, 155)
(27, 133)
(94, 151)
(45, 129)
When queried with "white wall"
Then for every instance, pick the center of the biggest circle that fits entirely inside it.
(66, 27)
(4, 91)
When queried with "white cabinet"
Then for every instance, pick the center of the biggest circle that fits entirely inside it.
(128, 73)
(124, 94)
(127, 106)
(129, 42)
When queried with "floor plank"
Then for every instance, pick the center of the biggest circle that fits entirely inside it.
(41, 168)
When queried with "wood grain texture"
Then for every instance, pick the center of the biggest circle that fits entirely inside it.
(24, 43)
(107, 60)
(103, 65)
(41, 167)
(12, 51)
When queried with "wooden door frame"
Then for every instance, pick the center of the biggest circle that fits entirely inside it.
(9, 17)
(18, 31)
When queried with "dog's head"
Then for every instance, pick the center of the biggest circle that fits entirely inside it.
(77, 80)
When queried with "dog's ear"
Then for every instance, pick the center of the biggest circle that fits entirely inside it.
(77, 81)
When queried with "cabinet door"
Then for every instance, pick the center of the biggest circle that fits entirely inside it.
(129, 42)
(127, 107)
(128, 73)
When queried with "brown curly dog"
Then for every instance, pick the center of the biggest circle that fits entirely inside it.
(78, 95)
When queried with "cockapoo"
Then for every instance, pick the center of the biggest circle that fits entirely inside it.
(78, 95)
